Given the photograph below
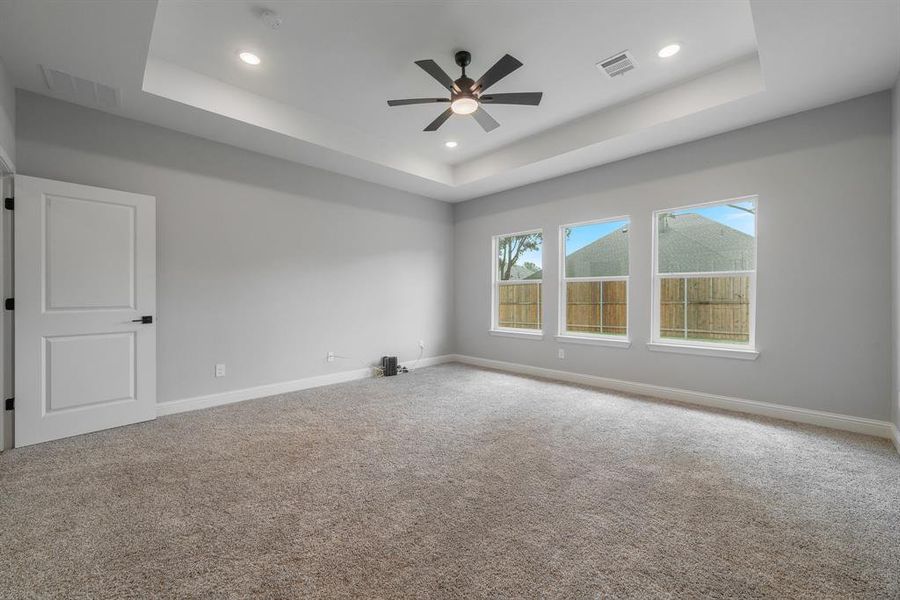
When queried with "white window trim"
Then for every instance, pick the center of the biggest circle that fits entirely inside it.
(525, 334)
(597, 339)
(739, 352)
(747, 351)
(495, 329)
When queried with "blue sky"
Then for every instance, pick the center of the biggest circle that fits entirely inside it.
(727, 215)
(585, 234)
(531, 256)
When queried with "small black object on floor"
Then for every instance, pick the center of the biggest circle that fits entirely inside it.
(389, 365)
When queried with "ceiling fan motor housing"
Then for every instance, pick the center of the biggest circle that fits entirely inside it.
(464, 85)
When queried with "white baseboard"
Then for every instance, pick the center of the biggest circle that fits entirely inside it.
(883, 429)
(273, 389)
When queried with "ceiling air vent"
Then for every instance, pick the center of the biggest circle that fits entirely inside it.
(617, 64)
(83, 91)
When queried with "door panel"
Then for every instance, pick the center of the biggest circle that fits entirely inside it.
(90, 254)
(85, 370)
(85, 270)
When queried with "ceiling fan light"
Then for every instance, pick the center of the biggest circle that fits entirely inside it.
(464, 106)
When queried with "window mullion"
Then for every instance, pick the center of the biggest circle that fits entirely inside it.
(601, 307)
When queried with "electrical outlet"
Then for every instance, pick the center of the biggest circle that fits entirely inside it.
(562, 354)
(330, 357)
(422, 344)
(220, 370)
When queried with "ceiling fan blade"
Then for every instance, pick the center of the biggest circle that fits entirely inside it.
(406, 101)
(486, 121)
(432, 68)
(527, 98)
(501, 69)
(433, 126)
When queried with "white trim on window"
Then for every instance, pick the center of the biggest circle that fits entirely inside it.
(741, 352)
(746, 351)
(528, 334)
(597, 339)
(494, 328)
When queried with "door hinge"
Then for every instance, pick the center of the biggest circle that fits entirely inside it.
(9, 304)
(9, 203)
(10, 404)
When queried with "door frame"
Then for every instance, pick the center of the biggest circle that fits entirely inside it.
(7, 172)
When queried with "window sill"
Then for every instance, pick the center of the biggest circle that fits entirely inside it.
(738, 353)
(512, 333)
(594, 341)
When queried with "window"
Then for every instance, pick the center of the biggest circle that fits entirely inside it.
(594, 282)
(517, 304)
(704, 268)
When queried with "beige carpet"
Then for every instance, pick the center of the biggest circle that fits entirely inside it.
(452, 482)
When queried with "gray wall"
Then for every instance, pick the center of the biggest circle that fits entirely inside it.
(261, 261)
(7, 115)
(263, 265)
(824, 284)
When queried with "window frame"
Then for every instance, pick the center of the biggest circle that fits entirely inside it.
(748, 351)
(495, 328)
(600, 339)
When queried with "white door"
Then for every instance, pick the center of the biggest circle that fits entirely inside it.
(85, 276)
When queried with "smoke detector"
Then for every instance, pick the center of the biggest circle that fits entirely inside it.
(272, 19)
(617, 64)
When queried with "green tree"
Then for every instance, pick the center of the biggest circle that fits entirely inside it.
(511, 249)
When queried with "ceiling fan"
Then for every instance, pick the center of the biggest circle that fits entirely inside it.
(467, 96)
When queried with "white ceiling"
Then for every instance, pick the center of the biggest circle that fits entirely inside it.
(319, 95)
(343, 60)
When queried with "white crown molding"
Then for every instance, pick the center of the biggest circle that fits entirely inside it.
(284, 387)
(882, 429)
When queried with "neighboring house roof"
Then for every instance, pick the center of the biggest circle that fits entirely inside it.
(607, 257)
(688, 243)
(691, 243)
(517, 272)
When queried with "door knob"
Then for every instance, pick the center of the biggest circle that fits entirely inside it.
(145, 320)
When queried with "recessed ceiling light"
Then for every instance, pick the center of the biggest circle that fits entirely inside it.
(451, 144)
(249, 58)
(670, 50)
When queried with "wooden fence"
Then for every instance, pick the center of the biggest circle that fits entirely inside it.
(705, 308)
(599, 307)
(701, 308)
(520, 306)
